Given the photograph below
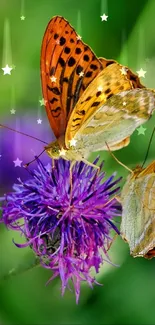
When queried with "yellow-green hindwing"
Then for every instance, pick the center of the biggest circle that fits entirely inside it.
(138, 215)
(115, 120)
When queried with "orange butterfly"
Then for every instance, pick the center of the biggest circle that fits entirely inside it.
(89, 101)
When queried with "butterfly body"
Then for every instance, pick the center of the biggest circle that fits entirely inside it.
(138, 215)
(57, 149)
(89, 101)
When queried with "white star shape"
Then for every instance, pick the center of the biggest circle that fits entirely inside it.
(141, 73)
(62, 152)
(13, 111)
(53, 79)
(48, 167)
(100, 88)
(39, 121)
(78, 37)
(81, 74)
(42, 102)
(17, 162)
(124, 71)
(104, 17)
(7, 70)
(22, 17)
(124, 103)
(73, 142)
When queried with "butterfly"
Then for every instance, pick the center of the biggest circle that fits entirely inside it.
(89, 101)
(138, 211)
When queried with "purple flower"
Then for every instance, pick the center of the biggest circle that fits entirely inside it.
(67, 226)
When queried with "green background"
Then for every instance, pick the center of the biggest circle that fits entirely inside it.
(128, 293)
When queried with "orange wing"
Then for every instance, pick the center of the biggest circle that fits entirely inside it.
(67, 68)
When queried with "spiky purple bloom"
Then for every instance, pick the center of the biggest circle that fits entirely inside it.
(68, 227)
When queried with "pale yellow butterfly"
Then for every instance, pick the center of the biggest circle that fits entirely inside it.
(138, 211)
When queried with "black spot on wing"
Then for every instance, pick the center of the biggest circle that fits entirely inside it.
(88, 74)
(54, 90)
(86, 58)
(71, 61)
(61, 62)
(62, 41)
(56, 36)
(56, 112)
(107, 91)
(78, 50)
(79, 69)
(67, 50)
(52, 71)
(95, 104)
(53, 100)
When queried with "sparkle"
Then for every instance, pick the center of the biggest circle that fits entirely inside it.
(124, 103)
(17, 162)
(0, 156)
(13, 67)
(141, 130)
(39, 121)
(53, 79)
(73, 142)
(147, 60)
(62, 152)
(141, 73)
(48, 167)
(13, 111)
(100, 88)
(42, 102)
(57, 42)
(104, 17)
(81, 74)
(7, 70)
(124, 71)
(78, 37)
(22, 17)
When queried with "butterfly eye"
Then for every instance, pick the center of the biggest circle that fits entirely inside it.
(53, 150)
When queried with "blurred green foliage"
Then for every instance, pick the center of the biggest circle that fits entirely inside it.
(128, 294)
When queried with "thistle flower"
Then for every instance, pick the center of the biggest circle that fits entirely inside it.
(68, 227)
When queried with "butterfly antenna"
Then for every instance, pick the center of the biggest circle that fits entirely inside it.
(26, 165)
(27, 135)
(148, 147)
(118, 161)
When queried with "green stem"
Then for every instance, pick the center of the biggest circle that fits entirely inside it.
(21, 268)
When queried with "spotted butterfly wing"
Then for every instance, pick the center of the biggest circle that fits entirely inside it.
(109, 110)
(68, 66)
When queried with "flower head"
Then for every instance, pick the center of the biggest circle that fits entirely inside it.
(65, 220)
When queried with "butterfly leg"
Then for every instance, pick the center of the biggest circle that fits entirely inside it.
(71, 177)
(91, 164)
(112, 241)
(53, 163)
(118, 161)
(117, 198)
